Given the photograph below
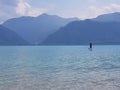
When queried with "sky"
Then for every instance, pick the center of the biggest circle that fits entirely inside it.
(82, 9)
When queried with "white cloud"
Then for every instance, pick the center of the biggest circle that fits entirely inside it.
(25, 9)
(16, 8)
(94, 11)
(7, 9)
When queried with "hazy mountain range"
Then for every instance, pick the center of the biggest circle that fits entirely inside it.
(54, 30)
(111, 17)
(36, 29)
(84, 32)
(9, 37)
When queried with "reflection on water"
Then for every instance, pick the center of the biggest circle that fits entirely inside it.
(60, 68)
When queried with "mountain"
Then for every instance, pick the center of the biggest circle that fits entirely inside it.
(111, 17)
(36, 29)
(83, 32)
(8, 37)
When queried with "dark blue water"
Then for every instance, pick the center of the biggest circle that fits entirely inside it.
(60, 68)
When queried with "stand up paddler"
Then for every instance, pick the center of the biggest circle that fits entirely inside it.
(90, 45)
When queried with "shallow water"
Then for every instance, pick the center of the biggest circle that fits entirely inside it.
(59, 68)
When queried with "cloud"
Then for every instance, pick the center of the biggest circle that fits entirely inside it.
(7, 9)
(25, 9)
(16, 8)
(82, 9)
(94, 11)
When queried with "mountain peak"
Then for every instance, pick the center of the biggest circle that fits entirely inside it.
(44, 14)
(36, 29)
(116, 13)
(110, 17)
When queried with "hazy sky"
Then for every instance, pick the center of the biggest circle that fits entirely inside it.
(65, 8)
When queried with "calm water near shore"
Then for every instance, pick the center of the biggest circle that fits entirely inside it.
(59, 68)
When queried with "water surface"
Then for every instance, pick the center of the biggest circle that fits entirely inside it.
(59, 68)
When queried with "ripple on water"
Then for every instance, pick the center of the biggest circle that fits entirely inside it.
(59, 68)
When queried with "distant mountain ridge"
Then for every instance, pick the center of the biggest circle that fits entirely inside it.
(54, 30)
(36, 29)
(83, 32)
(111, 17)
(9, 37)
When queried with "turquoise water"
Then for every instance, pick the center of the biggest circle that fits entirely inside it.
(59, 68)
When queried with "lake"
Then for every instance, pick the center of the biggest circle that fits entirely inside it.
(59, 68)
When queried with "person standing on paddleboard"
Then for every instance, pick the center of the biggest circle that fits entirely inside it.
(91, 45)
